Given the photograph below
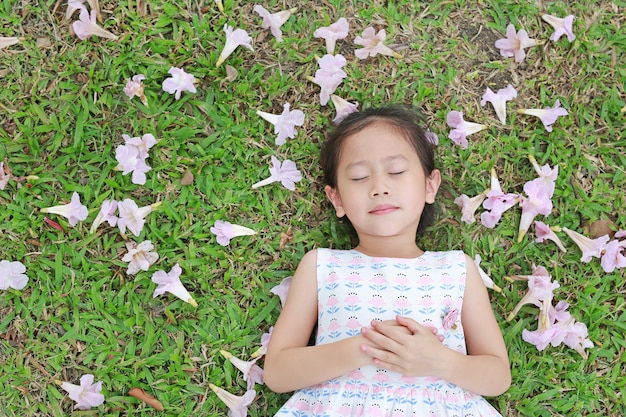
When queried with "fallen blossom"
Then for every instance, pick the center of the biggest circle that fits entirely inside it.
(5, 176)
(469, 206)
(129, 160)
(282, 289)
(544, 232)
(613, 256)
(87, 26)
(562, 26)
(73, 6)
(329, 75)
(274, 20)
(178, 82)
(139, 257)
(74, 211)
(225, 231)
(238, 37)
(252, 373)
(331, 34)
(12, 275)
(461, 128)
(373, 45)
(285, 172)
(143, 144)
(133, 217)
(498, 100)
(87, 394)
(220, 5)
(486, 278)
(576, 336)
(431, 137)
(514, 43)
(496, 203)
(538, 200)
(106, 214)
(591, 248)
(285, 123)
(540, 289)
(8, 41)
(237, 405)
(170, 282)
(343, 108)
(134, 88)
(547, 115)
(265, 341)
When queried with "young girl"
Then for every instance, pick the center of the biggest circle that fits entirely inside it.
(400, 331)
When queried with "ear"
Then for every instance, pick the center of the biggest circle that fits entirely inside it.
(335, 199)
(432, 185)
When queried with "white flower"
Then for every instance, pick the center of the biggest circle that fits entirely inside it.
(139, 256)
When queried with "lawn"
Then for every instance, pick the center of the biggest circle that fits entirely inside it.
(63, 114)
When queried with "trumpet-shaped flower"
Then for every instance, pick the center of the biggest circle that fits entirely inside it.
(613, 256)
(329, 75)
(74, 211)
(431, 137)
(134, 87)
(282, 289)
(372, 43)
(132, 216)
(178, 82)
(274, 20)
(461, 128)
(12, 275)
(545, 232)
(285, 123)
(343, 108)
(237, 405)
(285, 172)
(497, 202)
(170, 282)
(234, 38)
(225, 231)
(547, 175)
(143, 144)
(87, 394)
(561, 26)
(486, 278)
(129, 160)
(5, 176)
(548, 115)
(540, 289)
(265, 341)
(591, 248)
(252, 373)
(331, 34)
(469, 206)
(514, 43)
(106, 214)
(576, 336)
(8, 41)
(87, 26)
(139, 257)
(498, 100)
(72, 6)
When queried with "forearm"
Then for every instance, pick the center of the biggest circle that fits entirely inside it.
(483, 374)
(294, 368)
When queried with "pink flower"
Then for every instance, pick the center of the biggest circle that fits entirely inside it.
(332, 33)
(178, 82)
(469, 206)
(87, 394)
(486, 278)
(170, 282)
(274, 21)
(373, 45)
(561, 26)
(613, 256)
(591, 248)
(498, 100)
(545, 232)
(106, 214)
(143, 144)
(265, 341)
(497, 202)
(72, 6)
(74, 211)
(134, 87)
(12, 275)
(329, 75)
(343, 108)
(133, 217)
(252, 373)
(225, 231)
(234, 39)
(576, 336)
(541, 337)
(87, 26)
(238, 405)
(514, 43)
(284, 172)
(5, 176)
(540, 289)
(285, 123)
(139, 257)
(282, 289)
(432, 137)
(129, 160)
(537, 201)
(450, 319)
(548, 115)
(8, 41)
(461, 128)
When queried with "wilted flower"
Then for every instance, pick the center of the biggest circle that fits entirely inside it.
(225, 231)
(252, 373)
(514, 43)
(543, 232)
(461, 128)
(237, 405)
(133, 217)
(337, 30)
(233, 40)
(329, 75)
(74, 211)
(561, 26)
(87, 394)
(12, 275)
(431, 137)
(178, 82)
(591, 248)
(265, 341)
(498, 100)
(129, 160)
(373, 45)
(274, 20)
(134, 87)
(106, 214)
(285, 123)
(497, 202)
(613, 256)
(170, 282)
(139, 257)
(284, 172)
(8, 41)
(548, 115)
(282, 289)
(5, 176)
(87, 26)
(486, 278)
(469, 206)
(343, 107)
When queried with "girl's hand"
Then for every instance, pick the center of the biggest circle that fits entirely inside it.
(407, 347)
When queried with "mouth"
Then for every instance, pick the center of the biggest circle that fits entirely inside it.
(383, 209)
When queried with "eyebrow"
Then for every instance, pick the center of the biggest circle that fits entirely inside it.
(386, 159)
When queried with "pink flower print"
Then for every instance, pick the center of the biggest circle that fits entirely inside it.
(450, 319)
(426, 301)
(381, 377)
(514, 43)
(352, 298)
(353, 323)
(401, 279)
(402, 302)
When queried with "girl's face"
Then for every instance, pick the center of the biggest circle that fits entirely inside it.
(381, 185)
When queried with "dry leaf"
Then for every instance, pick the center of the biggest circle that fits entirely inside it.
(284, 238)
(601, 228)
(140, 394)
(42, 43)
(231, 73)
(187, 179)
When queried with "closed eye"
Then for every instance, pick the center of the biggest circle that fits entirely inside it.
(359, 179)
(397, 173)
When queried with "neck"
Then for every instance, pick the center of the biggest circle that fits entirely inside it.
(389, 248)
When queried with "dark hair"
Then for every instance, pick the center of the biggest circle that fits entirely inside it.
(403, 118)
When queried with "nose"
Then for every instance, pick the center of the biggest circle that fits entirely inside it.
(379, 187)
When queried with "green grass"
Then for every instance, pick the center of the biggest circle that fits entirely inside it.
(63, 113)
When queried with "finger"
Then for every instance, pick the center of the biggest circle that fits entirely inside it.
(379, 338)
(410, 324)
